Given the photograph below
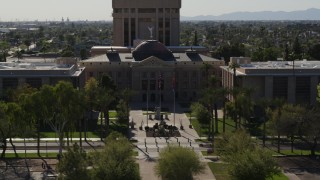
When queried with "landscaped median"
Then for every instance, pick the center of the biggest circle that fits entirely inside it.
(221, 172)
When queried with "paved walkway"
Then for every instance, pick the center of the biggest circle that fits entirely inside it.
(149, 147)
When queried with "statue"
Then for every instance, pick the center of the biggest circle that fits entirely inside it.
(151, 31)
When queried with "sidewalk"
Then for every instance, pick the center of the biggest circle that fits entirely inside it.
(148, 147)
(52, 139)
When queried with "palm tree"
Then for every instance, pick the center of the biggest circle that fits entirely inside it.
(126, 95)
(234, 67)
(206, 68)
(91, 90)
(18, 55)
(104, 99)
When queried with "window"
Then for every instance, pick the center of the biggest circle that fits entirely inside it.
(185, 85)
(146, 10)
(152, 84)
(117, 10)
(34, 82)
(10, 83)
(133, 10)
(194, 84)
(153, 75)
(90, 74)
(174, 10)
(100, 74)
(144, 85)
(280, 87)
(144, 75)
(303, 89)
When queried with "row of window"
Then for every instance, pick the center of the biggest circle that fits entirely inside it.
(13, 83)
(155, 97)
(146, 10)
(302, 88)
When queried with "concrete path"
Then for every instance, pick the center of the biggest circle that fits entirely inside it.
(292, 176)
(149, 147)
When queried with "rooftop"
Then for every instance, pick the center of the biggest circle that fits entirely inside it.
(303, 67)
(37, 67)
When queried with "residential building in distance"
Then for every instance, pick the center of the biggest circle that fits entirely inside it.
(293, 81)
(136, 20)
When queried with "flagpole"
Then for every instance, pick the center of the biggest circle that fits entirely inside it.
(174, 98)
(147, 102)
(159, 86)
(174, 107)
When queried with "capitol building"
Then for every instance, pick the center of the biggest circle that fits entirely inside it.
(146, 57)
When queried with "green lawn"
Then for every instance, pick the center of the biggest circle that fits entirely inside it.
(295, 152)
(112, 114)
(204, 153)
(74, 135)
(279, 177)
(30, 155)
(202, 130)
(220, 171)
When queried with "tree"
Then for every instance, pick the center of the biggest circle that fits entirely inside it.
(123, 105)
(106, 97)
(195, 40)
(27, 42)
(122, 112)
(83, 54)
(61, 107)
(91, 94)
(68, 52)
(315, 52)
(32, 113)
(105, 100)
(178, 163)
(309, 129)
(73, 164)
(4, 47)
(9, 126)
(297, 49)
(18, 54)
(234, 67)
(286, 121)
(286, 52)
(202, 114)
(255, 165)
(246, 160)
(115, 161)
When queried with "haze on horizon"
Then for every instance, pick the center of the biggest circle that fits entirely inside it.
(20, 10)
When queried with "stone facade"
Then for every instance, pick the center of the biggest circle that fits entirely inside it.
(135, 20)
(184, 72)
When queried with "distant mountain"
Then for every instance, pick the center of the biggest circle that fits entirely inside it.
(309, 14)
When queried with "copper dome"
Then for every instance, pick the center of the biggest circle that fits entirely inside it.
(152, 48)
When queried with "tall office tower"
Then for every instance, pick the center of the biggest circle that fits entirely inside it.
(146, 20)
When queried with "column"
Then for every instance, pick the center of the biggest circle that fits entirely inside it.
(292, 89)
(268, 86)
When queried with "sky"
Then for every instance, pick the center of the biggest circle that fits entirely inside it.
(29, 10)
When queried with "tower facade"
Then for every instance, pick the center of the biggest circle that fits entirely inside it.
(135, 20)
